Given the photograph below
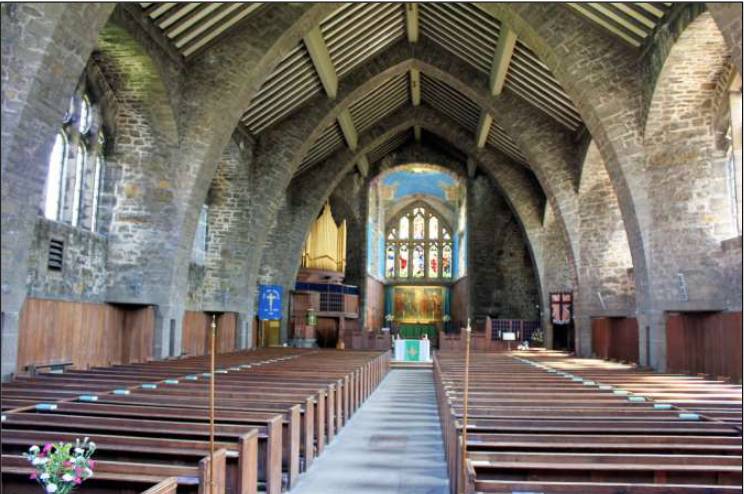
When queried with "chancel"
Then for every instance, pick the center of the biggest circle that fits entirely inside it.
(371, 247)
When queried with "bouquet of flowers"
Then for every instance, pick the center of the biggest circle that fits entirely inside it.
(60, 467)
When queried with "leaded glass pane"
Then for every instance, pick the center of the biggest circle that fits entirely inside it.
(403, 262)
(390, 261)
(418, 227)
(447, 262)
(433, 228)
(55, 178)
(419, 262)
(403, 228)
(433, 261)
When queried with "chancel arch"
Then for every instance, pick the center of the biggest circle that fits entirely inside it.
(297, 214)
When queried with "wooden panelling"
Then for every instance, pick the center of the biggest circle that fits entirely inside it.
(326, 332)
(615, 338)
(705, 343)
(137, 329)
(460, 300)
(84, 333)
(195, 337)
(375, 304)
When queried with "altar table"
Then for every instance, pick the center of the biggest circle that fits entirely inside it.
(412, 350)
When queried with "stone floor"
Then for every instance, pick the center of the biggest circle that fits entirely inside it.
(393, 443)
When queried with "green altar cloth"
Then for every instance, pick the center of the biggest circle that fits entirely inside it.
(415, 331)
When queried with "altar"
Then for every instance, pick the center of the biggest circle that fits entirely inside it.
(412, 351)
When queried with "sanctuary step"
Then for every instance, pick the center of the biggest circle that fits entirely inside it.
(394, 364)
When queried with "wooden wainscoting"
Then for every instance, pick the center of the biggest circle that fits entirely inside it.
(708, 343)
(195, 337)
(615, 338)
(86, 334)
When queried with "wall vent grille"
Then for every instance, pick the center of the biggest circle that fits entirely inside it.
(56, 254)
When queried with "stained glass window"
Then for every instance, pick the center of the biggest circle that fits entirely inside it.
(419, 262)
(447, 262)
(418, 227)
(403, 228)
(433, 261)
(433, 228)
(422, 248)
(403, 262)
(390, 262)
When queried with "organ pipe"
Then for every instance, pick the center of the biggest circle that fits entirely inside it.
(325, 245)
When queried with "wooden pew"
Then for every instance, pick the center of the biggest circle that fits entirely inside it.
(240, 475)
(308, 388)
(126, 472)
(542, 430)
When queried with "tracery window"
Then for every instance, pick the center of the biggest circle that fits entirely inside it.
(76, 167)
(418, 245)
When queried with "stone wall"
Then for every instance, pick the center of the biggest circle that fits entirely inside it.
(502, 279)
(83, 274)
(651, 196)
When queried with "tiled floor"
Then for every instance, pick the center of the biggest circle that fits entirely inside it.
(393, 444)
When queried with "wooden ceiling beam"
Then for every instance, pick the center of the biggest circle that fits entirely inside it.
(412, 22)
(417, 133)
(484, 127)
(415, 81)
(348, 129)
(363, 165)
(321, 58)
(502, 59)
(472, 167)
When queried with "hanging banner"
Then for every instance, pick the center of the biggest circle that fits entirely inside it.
(269, 302)
(561, 305)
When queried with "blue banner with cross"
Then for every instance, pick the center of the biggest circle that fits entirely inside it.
(269, 302)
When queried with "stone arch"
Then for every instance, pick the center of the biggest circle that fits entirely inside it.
(605, 254)
(690, 210)
(138, 77)
(220, 82)
(577, 53)
(510, 178)
(40, 70)
(546, 145)
(728, 19)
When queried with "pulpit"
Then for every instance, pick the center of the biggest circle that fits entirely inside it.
(412, 350)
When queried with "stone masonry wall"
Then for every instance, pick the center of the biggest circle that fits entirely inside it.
(502, 279)
(83, 275)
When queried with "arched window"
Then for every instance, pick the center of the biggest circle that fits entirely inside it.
(80, 160)
(54, 196)
(423, 253)
(84, 119)
(433, 228)
(72, 195)
(404, 228)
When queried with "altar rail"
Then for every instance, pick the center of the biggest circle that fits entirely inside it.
(490, 338)
(523, 330)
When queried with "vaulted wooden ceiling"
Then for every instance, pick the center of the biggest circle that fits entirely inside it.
(355, 32)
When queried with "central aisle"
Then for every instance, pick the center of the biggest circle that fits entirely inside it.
(392, 444)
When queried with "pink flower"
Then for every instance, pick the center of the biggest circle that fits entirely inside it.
(33, 476)
(47, 448)
(91, 464)
(78, 481)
